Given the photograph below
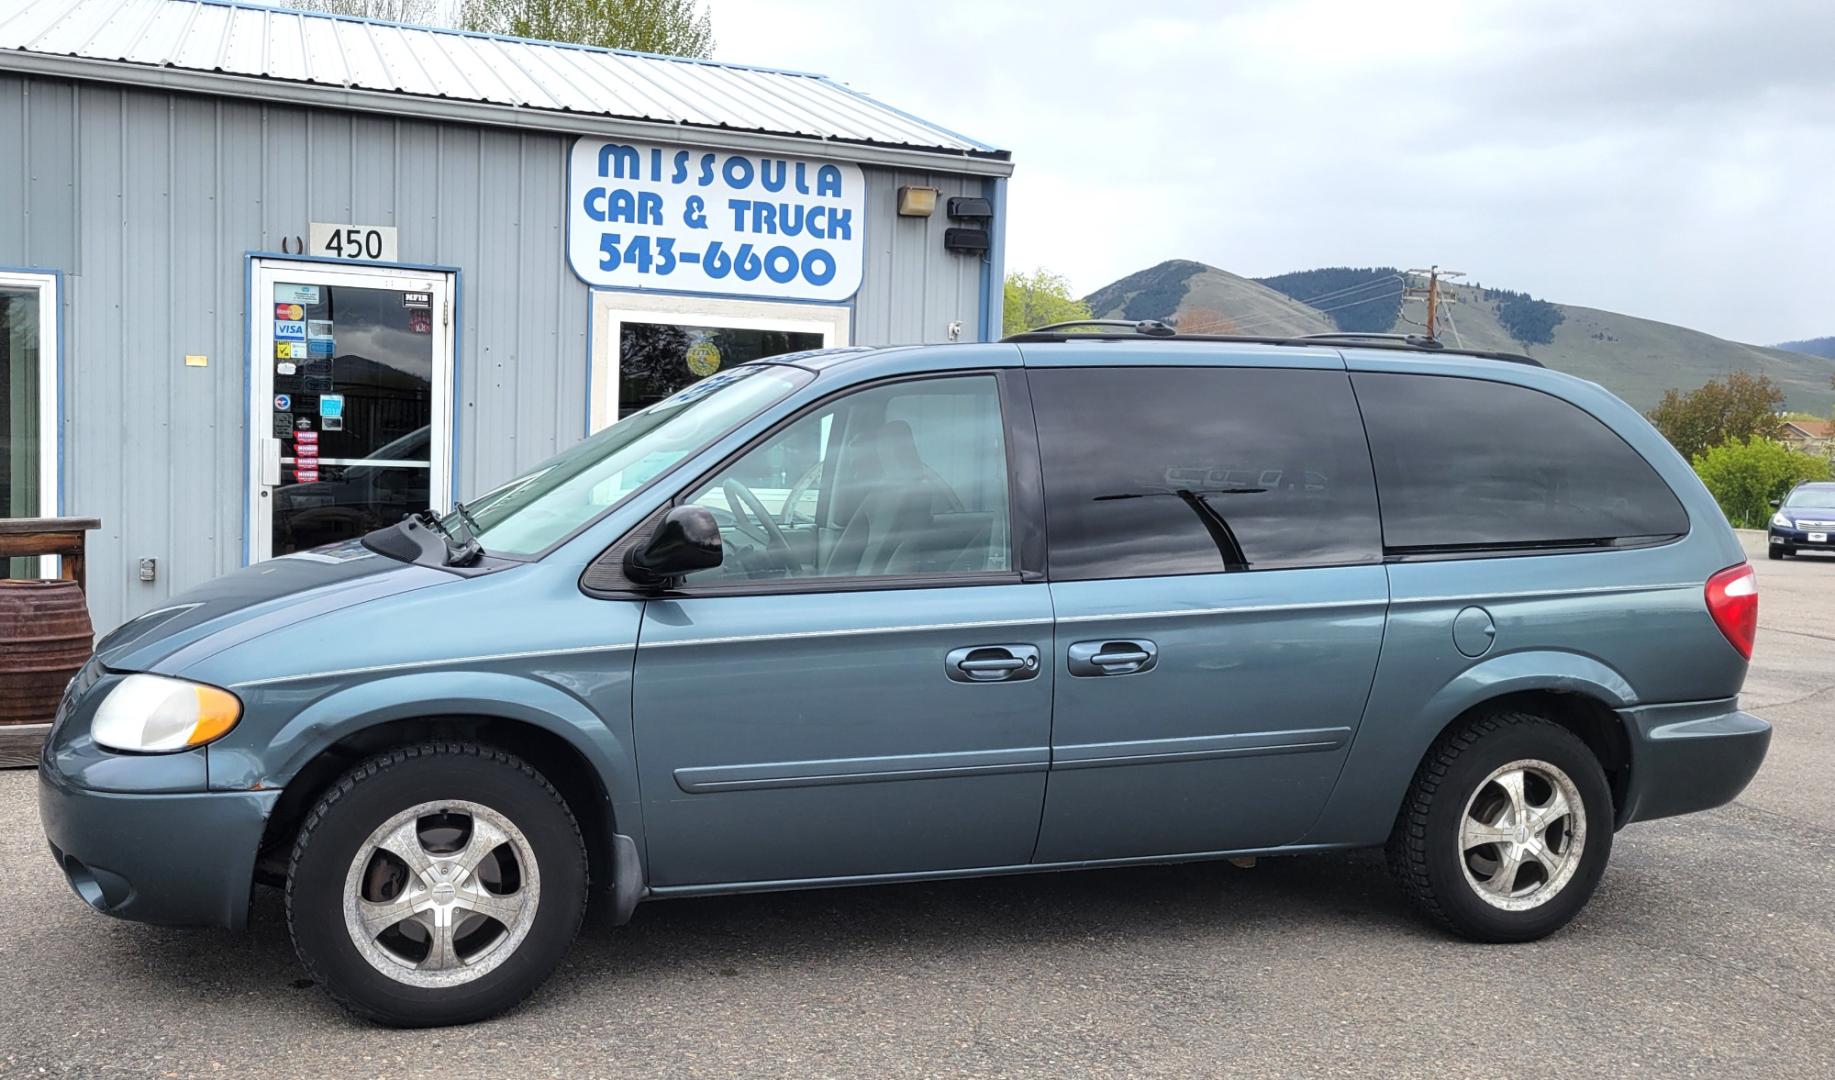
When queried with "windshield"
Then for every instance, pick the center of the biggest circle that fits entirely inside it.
(533, 511)
(1812, 495)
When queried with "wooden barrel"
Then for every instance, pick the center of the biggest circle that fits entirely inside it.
(45, 636)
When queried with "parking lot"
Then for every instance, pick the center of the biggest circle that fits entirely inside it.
(1709, 950)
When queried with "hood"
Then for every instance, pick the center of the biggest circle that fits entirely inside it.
(257, 600)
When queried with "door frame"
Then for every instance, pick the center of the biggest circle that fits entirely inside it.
(49, 286)
(262, 449)
(611, 308)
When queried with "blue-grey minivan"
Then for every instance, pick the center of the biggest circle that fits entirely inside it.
(854, 616)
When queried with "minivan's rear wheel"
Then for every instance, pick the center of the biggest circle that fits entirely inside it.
(436, 884)
(1506, 829)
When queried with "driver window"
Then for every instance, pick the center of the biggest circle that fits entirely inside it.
(900, 480)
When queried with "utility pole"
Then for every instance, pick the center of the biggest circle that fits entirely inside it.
(1431, 293)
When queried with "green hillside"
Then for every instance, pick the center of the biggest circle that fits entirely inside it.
(1637, 359)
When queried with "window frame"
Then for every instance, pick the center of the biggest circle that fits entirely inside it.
(1518, 549)
(1025, 512)
(48, 284)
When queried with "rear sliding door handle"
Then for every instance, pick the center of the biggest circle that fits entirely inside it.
(1089, 658)
(992, 663)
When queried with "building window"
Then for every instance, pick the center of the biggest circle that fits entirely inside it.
(28, 406)
(646, 348)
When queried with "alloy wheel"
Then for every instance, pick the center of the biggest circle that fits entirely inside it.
(1522, 835)
(441, 893)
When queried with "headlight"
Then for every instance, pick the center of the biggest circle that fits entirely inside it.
(1781, 521)
(151, 714)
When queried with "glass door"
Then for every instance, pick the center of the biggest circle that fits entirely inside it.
(350, 401)
(28, 407)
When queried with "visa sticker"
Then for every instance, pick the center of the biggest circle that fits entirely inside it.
(290, 330)
(283, 402)
(331, 406)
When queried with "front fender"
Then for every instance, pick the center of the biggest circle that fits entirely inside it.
(499, 695)
(1406, 714)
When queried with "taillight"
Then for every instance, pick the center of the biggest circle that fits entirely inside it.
(1733, 600)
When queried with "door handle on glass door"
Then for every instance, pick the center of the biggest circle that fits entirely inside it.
(1087, 658)
(992, 663)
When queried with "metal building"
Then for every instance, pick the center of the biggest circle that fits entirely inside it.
(271, 278)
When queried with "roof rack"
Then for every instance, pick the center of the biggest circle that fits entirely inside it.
(1135, 330)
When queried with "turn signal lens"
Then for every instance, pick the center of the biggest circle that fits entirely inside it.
(1733, 600)
(152, 714)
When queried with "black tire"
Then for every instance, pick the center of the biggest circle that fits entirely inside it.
(1788, 550)
(387, 785)
(1424, 850)
(1776, 552)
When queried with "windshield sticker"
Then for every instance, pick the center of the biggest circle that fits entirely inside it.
(331, 405)
(289, 350)
(417, 300)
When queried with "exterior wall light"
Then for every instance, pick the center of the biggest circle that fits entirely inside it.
(916, 201)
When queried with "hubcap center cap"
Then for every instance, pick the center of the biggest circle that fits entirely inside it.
(444, 893)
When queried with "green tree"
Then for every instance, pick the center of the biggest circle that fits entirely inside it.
(1743, 406)
(670, 27)
(1038, 299)
(1745, 475)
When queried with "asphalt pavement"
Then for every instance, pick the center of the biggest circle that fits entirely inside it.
(1708, 951)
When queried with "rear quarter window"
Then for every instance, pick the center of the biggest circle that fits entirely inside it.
(1468, 464)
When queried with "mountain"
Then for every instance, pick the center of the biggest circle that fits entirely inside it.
(1816, 346)
(1635, 358)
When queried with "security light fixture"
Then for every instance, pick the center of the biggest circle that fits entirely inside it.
(966, 241)
(914, 201)
(969, 208)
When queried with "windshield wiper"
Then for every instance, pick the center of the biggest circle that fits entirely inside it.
(462, 546)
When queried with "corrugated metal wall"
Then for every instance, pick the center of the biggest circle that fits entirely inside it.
(148, 203)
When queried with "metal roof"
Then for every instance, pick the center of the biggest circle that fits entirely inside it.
(229, 47)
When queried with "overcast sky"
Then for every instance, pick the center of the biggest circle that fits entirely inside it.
(1667, 158)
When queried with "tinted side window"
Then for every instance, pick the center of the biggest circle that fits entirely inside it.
(1152, 471)
(1466, 463)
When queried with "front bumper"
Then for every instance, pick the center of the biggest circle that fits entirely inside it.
(173, 858)
(1800, 537)
(1690, 757)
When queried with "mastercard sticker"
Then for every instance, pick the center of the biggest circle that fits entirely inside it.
(289, 312)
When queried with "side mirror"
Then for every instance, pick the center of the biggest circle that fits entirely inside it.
(1775, 503)
(687, 539)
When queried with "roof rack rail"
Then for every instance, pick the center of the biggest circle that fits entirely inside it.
(1416, 340)
(1136, 330)
(1146, 327)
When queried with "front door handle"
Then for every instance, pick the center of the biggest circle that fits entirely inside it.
(992, 663)
(1088, 658)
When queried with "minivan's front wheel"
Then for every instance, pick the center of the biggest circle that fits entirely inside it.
(1506, 829)
(436, 884)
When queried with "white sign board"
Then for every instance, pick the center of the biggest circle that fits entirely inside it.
(679, 219)
(356, 243)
